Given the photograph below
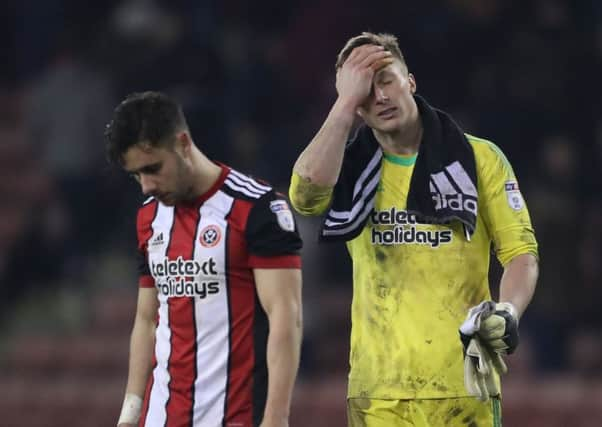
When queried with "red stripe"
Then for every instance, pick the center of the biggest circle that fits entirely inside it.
(281, 261)
(241, 300)
(182, 359)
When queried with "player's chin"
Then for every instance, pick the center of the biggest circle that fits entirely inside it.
(167, 200)
(385, 126)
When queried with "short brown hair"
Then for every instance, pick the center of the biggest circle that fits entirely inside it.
(146, 116)
(386, 40)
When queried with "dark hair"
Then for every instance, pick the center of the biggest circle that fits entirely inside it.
(149, 117)
(388, 41)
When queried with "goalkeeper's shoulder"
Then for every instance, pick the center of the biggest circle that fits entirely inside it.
(307, 197)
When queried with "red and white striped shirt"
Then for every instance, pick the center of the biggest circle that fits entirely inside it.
(210, 351)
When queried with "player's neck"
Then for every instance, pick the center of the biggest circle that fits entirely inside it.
(404, 141)
(206, 173)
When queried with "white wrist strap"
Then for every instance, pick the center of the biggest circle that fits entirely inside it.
(130, 412)
(510, 308)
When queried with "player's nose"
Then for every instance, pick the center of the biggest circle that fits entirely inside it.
(380, 95)
(149, 186)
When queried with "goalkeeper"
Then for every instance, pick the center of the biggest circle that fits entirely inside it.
(419, 204)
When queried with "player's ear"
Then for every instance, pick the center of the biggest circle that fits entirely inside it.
(183, 143)
(412, 81)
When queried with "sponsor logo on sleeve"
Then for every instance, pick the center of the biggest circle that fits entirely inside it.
(284, 216)
(513, 195)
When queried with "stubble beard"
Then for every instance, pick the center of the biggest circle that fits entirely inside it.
(184, 189)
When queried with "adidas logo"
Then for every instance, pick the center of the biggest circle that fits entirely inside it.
(453, 189)
(158, 240)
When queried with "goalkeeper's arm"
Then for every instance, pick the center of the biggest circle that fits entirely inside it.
(308, 198)
(491, 330)
(499, 330)
(518, 281)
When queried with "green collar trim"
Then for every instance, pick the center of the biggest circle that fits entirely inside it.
(401, 160)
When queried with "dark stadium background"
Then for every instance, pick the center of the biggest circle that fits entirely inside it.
(256, 80)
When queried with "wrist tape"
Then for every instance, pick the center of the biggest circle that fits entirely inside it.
(130, 411)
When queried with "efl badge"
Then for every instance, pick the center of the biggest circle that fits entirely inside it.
(515, 199)
(283, 215)
(210, 236)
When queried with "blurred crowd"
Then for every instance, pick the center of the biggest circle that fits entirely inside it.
(256, 79)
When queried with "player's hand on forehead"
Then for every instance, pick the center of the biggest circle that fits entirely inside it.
(369, 56)
(354, 79)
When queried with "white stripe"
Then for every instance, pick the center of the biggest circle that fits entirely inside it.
(374, 162)
(432, 187)
(341, 215)
(241, 189)
(345, 215)
(251, 181)
(147, 201)
(212, 322)
(159, 395)
(358, 205)
(462, 179)
(362, 217)
(248, 186)
(443, 185)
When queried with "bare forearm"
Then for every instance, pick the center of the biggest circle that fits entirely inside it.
(321, 161)
(283, 349)
(518, 281)
(141, 353)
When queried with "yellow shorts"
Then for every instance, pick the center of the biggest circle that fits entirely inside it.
(460, 412)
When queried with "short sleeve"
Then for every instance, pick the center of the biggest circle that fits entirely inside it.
(502, 205)
(272, 236)
(307, 198)
(144, 231)
(145, 279)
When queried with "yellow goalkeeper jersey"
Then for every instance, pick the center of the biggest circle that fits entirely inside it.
(414, 282)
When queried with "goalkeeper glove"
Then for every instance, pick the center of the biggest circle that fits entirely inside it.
(499, 328)
(481, 363)
(479, 368)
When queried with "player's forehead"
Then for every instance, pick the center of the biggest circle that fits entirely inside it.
(141, 155)
(391, 70)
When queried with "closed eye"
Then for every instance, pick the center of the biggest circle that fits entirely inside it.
(151, 169)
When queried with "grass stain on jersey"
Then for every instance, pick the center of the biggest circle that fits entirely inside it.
(452, 413)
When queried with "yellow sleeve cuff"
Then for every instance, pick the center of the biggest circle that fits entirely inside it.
(515, 241)
(308, 198)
